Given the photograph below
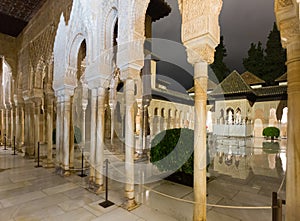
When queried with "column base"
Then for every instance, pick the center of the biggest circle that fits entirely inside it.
(100, 189)
(29, 152)
(62, 172)
(130, 204)
(48, 164)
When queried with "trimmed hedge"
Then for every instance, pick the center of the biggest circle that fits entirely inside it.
(77, 135)
(271, 132)
(174, 150)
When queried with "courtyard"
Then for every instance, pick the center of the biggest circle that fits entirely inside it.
(243, 175)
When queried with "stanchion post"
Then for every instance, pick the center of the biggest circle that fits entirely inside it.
(5, 142)
(38, 163)
(274, 206)
(279, 210)
(82, 158)
(106, 203)
(14, 146)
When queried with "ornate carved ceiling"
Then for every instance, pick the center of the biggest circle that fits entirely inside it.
(15, 14)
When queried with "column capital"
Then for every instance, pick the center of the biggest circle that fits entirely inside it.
(131, 71)
(69, 80)
(200, 29)
(287, 19)
(98, 81)
(202, 52)
(65, 91)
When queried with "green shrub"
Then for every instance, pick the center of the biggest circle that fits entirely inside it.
(77, 135)
(174, 149)
(271, 132)
(171, 148)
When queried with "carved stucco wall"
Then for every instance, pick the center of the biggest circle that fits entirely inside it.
(8, 49)
(35, 44)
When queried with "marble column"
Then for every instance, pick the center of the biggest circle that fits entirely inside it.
(99, 152)
(293, 150)
(84, 106)
(66, 133)
(71, 136)
(16, 124)
(8, 125)
(37, 111)
(145, 127)
(112, 120)
(200, 84)
(129, 143)
(12, 124)
(29, 132)
(93, 134)
(59, 130)
(139, 126)
(49, 124)
(21, 125)
(1, 126)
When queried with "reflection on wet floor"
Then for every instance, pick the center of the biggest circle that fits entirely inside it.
(255, 157)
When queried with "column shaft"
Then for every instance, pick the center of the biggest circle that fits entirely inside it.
(71, 136)
(293, 150)
(66, 143)
(37, 127)
(129, 141)
(59, 130)
(49, 132)
(93, 134)
(200, 82)
(100, 137)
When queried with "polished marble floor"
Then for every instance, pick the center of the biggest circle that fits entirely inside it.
(240, 176)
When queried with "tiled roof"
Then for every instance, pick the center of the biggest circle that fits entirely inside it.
(251, 79)
(271, 91)
(232, 84)
(282, 78)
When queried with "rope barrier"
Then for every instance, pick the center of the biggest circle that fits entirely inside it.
(211, 205)
(281, 185)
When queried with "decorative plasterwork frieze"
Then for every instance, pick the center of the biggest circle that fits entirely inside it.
(41, 48)
(284, 3)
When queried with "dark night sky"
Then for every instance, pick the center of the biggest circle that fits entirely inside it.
(241, 21)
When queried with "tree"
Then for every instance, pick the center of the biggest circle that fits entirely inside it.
(219, 67)
(275, 57)
(267, 64)
(255, 61)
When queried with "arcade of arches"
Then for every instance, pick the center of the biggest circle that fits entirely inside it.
(65, 68)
